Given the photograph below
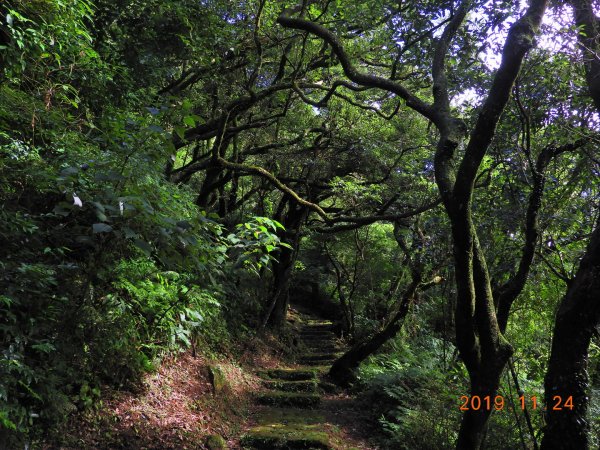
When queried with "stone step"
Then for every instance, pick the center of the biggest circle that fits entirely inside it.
(287, 428)
(317, 322)
(317, 345)
(328, 387)
(264, 438)
(320, 362)
(288, 374)
(291, 386)
(325, 346)
(322, 333)
(313, 357)
(317, 328)
(312, 349)
(320, 350)
(317, 338)
(287, 399)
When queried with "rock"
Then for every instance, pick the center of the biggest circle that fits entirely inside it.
(294, 399)
(217, 379)
(216, 442)
(288, 374)
(291, 386)
(287, 428)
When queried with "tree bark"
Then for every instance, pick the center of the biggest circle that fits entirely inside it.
(579, 312)
(567, 377)
(479, 339)
(282, 270)
(342, 370)
(506, 294)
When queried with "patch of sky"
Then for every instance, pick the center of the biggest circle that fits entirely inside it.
(556, 36)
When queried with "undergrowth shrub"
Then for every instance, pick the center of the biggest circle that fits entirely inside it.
(417, 385)
(67, 330)
(105, 265)
(101, 274)
(416, 399)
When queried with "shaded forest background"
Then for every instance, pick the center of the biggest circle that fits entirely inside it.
(174, 173)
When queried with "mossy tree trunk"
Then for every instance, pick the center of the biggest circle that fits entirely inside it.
(482, 346)
(567, 427)
(579, 312)
(342, 370)
(293, 220)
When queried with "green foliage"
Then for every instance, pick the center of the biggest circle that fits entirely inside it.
(125, 236)
(106, 264)
(415, 394)
(42, 33)
(353, 190)
(256, 241)
(91, 310)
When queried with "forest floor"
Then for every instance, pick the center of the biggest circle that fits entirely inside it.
(264, 401)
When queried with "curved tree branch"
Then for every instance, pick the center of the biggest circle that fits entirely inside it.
(357, 222)
(519, 41)
(275, 182)
(440, 83)
(506, 294)
(352, 72)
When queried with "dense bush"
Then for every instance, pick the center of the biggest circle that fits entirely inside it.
(125, 285)
(415, 394)
(105, 265)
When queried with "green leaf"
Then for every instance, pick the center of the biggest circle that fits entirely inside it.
(143, 245)
(180, 131)
(101, 228)
(156, 129)
(6, 422)
(69, 171)
(44, 347)
(189, 121)
(129, 233)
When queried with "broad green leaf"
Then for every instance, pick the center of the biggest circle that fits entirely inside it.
(101, 228)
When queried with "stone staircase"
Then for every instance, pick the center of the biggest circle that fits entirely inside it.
(290, 417)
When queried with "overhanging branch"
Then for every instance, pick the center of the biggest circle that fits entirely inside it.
(357, 222)
(352, 72)
(275, 182)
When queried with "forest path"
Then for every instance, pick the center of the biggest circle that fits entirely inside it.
(299, 409)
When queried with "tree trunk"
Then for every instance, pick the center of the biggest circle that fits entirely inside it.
(567, 377)
(579, 311)
(205, 196)
(281, 284)
(342, 370)
(479, 339)
(282, 270)
(483, 348)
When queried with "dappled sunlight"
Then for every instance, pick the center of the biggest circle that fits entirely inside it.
(176, 407)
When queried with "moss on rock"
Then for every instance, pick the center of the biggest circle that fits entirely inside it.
(292, 386)
(287, 428)
(297, 399)
(217, 379)
(288, 374)
(216, 442)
